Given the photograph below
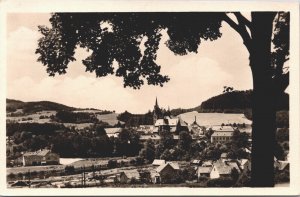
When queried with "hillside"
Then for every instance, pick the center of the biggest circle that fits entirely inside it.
(231, 102)
(32, 107)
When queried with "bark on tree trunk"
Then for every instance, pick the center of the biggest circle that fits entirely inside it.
(264, 100)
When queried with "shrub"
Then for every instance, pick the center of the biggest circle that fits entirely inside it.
(133, 180)
(203, 179)
(112, 163)
(11, 176)
(220, 182)
(69, 169)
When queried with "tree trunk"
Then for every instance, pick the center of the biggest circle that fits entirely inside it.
(264, 100)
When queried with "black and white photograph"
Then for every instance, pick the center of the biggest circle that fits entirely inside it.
(143, 97)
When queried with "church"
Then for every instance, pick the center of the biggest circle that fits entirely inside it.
(163, 120)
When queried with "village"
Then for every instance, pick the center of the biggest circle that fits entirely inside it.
(223, 158)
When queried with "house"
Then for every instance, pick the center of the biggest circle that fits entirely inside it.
(196, 162)
(195, 128)
(147, 129)
(129, 175)
(181, 126)
(165, 173)
(166, 123)
(223, 169)
(41, 157)
(221, 137)
(158, 162)
(203, 171)
(113, 131)
(221, 134)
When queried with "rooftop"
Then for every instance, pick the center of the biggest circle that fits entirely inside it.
(38, 153)
(203, 169)
(132, 174)
(158, 162)
(220, 133)
(222, 128)
(175, 166)
(113, 130)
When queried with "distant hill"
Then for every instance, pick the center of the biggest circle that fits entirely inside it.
(231, 102)
(31, 107)
(237, 100)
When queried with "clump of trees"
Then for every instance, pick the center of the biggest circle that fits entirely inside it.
(133, 120)
(74, 117)
(71, 143)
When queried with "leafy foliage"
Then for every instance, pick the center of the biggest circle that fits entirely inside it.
(148, 152)
(72, 117)
(132, 120)
(122, 44)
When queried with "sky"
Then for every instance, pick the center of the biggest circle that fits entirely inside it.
(194, 77)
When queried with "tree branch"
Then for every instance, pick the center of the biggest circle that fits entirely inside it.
(241, 29)
(243, 19)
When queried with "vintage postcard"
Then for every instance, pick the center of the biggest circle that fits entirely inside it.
(149, 98)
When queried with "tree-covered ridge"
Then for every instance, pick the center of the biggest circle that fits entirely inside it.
(238, 100)
(232, 102)
(37, 106)
(32, 107)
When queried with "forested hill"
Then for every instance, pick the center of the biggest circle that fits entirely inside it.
(237, 100)
(231, 102)
(31, 107)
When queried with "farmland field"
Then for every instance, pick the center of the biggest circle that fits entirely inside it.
(109, 118)
(35, 117)
(209, 119)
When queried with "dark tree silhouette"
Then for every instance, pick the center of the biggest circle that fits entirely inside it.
(120, 40)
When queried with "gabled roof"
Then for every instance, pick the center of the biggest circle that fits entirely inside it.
(158, 162)
(243, 161)
(113, 130)
(182, 123)
(166, 121)
(226, 167)
(175, 166)
(204, 170)
(132, 174)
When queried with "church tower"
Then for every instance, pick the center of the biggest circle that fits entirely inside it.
(156, 112)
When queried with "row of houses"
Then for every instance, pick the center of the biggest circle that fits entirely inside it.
(162, 173)
(221, 134)
(222, 168)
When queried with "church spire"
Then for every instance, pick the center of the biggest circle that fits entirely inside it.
(156, 103)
